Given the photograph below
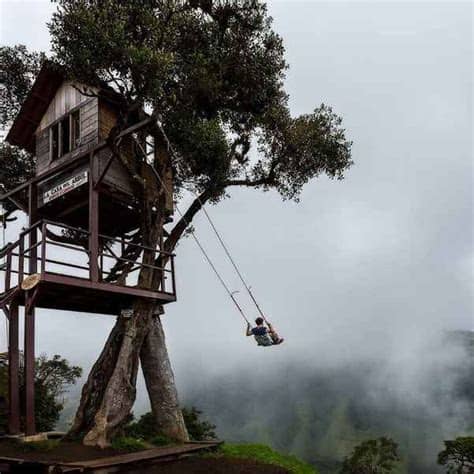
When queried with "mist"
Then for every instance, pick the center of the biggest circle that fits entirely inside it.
(366, 278)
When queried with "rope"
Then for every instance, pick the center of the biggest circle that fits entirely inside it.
(232, 261)
(206, 255)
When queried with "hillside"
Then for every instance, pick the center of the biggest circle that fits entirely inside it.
(319, 414)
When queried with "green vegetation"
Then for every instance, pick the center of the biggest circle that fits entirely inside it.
(198, 430)
(161, 440)
(264, 454)
(52, 377)
(128, 444)
(144, 428)
(375, 456)
(458, 455)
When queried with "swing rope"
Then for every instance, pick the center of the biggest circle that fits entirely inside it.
(232, 261)
(201, 247)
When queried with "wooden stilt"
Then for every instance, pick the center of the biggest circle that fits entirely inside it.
(30, 428)
(13, 372)
(29, 349)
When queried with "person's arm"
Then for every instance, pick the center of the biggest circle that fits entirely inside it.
(249, 330)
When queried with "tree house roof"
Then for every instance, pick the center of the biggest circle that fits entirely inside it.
(47, 83)
(36, 103)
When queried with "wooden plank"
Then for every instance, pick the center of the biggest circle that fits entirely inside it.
(142, 456)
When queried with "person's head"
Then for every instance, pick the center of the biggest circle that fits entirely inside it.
(259, 321)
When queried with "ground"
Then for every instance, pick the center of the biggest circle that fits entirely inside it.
(199, 465)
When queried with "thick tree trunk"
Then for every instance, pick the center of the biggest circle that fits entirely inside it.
(159, 379)
(109, 394)
(94, 389)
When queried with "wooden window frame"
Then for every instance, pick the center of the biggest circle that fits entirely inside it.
(72, 139)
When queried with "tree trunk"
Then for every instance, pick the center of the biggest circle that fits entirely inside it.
(160, 384)
(109, 394)
(94, 389)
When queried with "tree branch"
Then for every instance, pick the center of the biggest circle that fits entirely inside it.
(185, 220)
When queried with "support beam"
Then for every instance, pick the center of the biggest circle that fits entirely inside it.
(13, 372)
(29, 349)
(93, 221)
(30, 426)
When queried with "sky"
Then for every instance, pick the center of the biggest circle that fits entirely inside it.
(378, 263)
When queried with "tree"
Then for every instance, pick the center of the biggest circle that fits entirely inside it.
(375, 456)
(198, 429)
(458, 455)
(18, 69)
(52, 377)
(210, 74)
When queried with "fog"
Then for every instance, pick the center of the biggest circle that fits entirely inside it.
(367, 272)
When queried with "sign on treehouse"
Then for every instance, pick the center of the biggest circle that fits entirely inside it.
(62, 188)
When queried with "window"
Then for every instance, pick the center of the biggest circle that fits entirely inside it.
(75, 129)
(54, 141)
(65, 135)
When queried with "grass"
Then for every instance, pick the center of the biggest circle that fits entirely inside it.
(266, 455)
(128, 444)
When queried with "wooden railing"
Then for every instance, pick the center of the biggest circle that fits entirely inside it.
(37, 249)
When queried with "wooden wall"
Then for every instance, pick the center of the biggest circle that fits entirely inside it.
(67, 99)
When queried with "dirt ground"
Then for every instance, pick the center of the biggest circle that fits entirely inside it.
(64, 452)
(69, 451)
(197, 465)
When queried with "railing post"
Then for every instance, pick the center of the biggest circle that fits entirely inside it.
(172, 275)
(93, 223)
(43, 247)
(8, 270)
(21, 259)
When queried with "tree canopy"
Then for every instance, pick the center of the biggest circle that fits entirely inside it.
(375, 456)
(458, 455)
(212, 73)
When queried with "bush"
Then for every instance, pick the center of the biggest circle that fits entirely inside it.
(144, 428)
(161, 440)
(128, 444)
(198, 429)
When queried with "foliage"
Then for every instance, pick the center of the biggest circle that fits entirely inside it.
(18, 69)
(128, 444)
(458, 455)
(52, 378)
(145, 428)
(198, 430)
(161, 440)
(375, 456)
(212, 73)
(264, 454)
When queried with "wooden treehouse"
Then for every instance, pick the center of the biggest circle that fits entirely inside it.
(82, 212)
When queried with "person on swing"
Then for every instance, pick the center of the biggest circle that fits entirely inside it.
(265, 336)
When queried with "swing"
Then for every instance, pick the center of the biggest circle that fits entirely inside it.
(272, 337)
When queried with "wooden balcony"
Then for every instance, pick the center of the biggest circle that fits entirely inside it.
(62, 261)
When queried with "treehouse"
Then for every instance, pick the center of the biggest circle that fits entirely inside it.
(80, 251)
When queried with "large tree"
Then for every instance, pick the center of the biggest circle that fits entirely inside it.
(210, 74)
